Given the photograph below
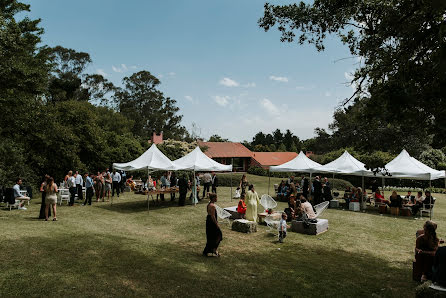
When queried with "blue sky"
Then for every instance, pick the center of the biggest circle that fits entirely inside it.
(228, 76)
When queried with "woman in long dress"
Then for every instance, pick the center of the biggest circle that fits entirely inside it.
(42, 190)
(213, 232)
(252, 201)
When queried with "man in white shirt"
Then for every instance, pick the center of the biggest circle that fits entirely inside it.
(79, 184)
(18, 195)
(71, 183)
(116, 179)
(207, 182)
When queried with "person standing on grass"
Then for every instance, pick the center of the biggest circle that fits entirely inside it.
(183, 186)
(42, 190)
(79, 184)
(214, 182)
(51, 198)
(252, 201)
(88, 188)
(108, 185)
(173, 183)
(207, 182)
(243, 184)
(317, 185)
(116, 179)
(282, 227)
(71, 183)
(213, 231)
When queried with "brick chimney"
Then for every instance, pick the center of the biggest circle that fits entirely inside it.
(157, 138)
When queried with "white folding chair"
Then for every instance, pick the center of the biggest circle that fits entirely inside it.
(320, 208)
(64, 195)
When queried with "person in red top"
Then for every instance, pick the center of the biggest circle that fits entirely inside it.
(241, 208)
(379, 198)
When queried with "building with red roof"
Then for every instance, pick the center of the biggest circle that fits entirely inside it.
(241, 157)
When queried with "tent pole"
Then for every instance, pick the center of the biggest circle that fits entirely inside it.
(195, 190)
(231, 187)
(332, 187)
(362, 194)
(269, 180)
(148, 196)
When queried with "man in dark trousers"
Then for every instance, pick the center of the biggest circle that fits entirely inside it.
(173, 183)
(305, 187)
(214, 182)
(79, 185)
(116, 179)
(317, 185)
(183, 186)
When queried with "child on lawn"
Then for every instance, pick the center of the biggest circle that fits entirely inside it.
(282, 227)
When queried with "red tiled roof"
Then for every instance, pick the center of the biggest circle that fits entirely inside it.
(273, 158)
(225, 149)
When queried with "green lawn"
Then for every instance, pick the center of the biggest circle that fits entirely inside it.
(118, 250)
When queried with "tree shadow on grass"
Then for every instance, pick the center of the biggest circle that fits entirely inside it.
(87, 264)
(141, 205)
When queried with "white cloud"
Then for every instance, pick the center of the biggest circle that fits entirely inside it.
(221, 100)
(171, 74)
(300, 88)
(120, 69)
(228, 82)
(269, 107)
(101, 72)
(133, 67)
(250, 85)
(279, 79)
(191, 99)
(327, 94)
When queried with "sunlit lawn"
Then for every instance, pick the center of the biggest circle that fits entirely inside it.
(118, 250)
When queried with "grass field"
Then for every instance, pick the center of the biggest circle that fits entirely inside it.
(124, 250)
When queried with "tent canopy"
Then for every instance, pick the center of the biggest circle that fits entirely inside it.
(405, 166)
(301, 164)
(345, 164)
(198, 161)
(152, 159)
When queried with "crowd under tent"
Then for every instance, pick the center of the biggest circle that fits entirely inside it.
(300, 164)
(197, 161)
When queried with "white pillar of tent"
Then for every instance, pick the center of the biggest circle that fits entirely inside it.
(332, 185)
(194, 194)
(362, 194)
(148, 196)
(269, 180)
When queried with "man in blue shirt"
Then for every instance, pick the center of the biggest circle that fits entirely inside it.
(18, 195)
(89, 188)
(165, 183)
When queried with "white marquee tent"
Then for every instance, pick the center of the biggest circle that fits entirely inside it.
(152, 159)
(345, 164)
(198, 161)
(301, 164)
(407, 167)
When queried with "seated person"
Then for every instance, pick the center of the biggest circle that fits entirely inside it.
(428, 201)
(395, 200)
(241, 207)
(409, 198)
(379, 198)
(18, 195)
(425, 249)
(292, 208)
(418, 203)
(131, 183)
(439, 267)
(150, 183)
(306, 208)
(282, 191)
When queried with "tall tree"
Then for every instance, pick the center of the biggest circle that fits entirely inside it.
(278, 137)
(217, 138)
(141, 101)
(66, 82)
(401, 46)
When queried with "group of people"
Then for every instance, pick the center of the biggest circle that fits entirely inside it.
(321, 190)
(409, 201)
